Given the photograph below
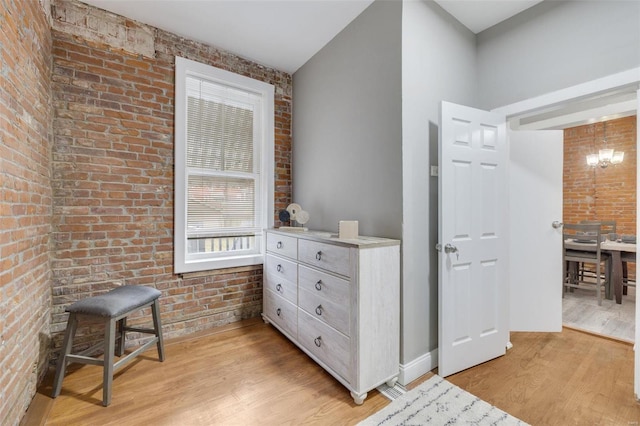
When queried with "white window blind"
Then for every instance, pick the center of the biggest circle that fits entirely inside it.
(224, 145)
(221, 160)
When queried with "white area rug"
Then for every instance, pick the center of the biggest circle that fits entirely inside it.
(438, 402)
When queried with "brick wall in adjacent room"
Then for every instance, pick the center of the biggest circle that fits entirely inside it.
(604, 194)
(113, 160)
(601, 194)
(25, 203)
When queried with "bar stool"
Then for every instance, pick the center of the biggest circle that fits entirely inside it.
(113, 307)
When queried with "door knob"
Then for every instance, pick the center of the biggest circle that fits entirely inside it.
(556, 224)
(450, 248)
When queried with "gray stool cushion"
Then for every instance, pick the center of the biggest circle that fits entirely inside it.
(116, 302)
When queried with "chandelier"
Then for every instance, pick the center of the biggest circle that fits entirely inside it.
(605, 156)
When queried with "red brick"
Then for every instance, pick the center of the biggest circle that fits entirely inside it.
(25, 278)
(110, 179)
(601, 194)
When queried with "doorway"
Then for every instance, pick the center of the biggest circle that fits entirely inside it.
(597, 193)
(570, 107)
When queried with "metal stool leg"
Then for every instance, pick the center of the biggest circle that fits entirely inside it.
(157, 325)
(122, 324)
(72, 325)
(109, 347)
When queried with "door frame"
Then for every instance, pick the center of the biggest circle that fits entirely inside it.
(628, 81)
(623, 81)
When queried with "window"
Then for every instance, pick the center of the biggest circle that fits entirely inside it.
(224, 167)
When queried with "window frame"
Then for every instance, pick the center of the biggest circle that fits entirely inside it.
(183, 262)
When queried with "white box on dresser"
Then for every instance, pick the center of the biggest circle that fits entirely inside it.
(339, 301)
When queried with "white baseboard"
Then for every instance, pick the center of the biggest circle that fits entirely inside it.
(418, 367)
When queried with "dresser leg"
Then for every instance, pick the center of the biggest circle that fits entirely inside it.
(358, 398)
(391, 383)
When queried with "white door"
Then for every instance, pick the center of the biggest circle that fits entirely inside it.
(535, 250)
(473, 233)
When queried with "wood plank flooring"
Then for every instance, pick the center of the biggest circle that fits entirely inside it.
(249, 373)
(568, 378)
(241, 376)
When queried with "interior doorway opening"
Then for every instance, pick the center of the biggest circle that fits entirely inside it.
(625, 82)
(602, 194)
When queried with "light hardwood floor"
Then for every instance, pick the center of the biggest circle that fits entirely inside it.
(567, 378)
(249, 374)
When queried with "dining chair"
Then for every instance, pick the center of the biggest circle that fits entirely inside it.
(581, 246)
(606, 227)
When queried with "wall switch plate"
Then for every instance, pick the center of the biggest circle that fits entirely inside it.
(434, 170)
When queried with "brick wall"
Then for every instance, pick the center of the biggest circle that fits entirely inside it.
(25, 203)
(113, 172)
(604, 194)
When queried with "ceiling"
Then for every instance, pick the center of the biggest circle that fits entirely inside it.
(478, 15)
(283, 34)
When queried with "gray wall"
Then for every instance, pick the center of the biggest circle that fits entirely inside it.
(554, 45)
(365, 129)
(366, 114)
(347, 127)
(438, 63)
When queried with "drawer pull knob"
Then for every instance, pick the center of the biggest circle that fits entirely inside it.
(278, 311)
(319, 255)
(319, 285)
(319, 310)
(318, 341)
(279, 268)
(279, 287)
(279, 245)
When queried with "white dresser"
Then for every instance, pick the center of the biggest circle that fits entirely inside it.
(339, 301)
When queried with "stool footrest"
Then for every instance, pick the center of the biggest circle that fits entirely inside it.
(140, 330)
(135, 353)
(81, 359)
(91, 350)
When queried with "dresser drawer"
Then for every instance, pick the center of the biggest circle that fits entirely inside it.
(282, 287)
(330, 346)
(334, 314)
(281, 268)
(281, 312)
(283, 245)
(326, 256)
(328, 286)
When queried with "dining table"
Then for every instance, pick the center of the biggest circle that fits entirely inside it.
(616, 249)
